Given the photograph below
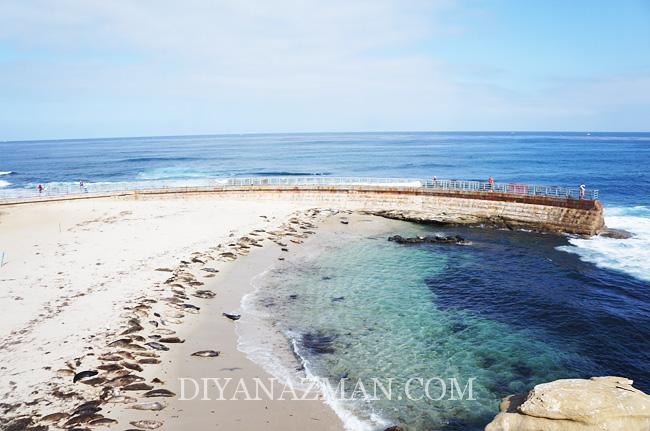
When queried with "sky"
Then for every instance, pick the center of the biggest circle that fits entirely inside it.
(96, 68)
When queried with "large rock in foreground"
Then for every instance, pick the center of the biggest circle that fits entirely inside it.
(600, 403)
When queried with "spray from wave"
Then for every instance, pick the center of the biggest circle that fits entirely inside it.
(4, 183)
(631, 255)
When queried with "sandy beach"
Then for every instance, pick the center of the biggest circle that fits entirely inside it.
(77, 273)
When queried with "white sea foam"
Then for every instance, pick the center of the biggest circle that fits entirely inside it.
(261, 345)
(6, 173)
(351, 422)
(631, 255)
(4, 183)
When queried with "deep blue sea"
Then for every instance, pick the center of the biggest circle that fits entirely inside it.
(616, 163)
(513, 308)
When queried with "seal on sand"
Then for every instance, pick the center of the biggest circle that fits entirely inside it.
(206, 353)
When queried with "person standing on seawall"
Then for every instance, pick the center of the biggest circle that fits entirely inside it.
(582, 191)
(491, 182)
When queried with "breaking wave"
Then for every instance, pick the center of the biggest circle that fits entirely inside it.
(630, 256)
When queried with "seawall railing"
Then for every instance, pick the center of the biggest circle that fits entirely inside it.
(62, 189)
(514, 188)
(458, 185)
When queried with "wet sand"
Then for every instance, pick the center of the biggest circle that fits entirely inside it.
(210, 330)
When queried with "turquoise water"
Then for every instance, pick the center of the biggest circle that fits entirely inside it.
(373, 304)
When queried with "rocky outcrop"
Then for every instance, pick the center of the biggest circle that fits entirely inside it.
(512, 216)
(609, 232)
(434, 218)
(429, 239)
(600, 403)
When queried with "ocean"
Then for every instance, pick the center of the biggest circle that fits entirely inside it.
(512, 309)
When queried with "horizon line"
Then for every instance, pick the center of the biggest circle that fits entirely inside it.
(587, 132)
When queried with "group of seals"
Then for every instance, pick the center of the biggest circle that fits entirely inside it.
(110, 375)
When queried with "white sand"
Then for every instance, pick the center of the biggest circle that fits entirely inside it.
(71, 266)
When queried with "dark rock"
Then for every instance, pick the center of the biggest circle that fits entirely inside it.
(232, 316)
(616, 233)
(318, 342)
(429, 239)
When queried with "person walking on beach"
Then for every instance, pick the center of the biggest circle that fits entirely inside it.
(40, 188)
(491, 182)
(582, 191)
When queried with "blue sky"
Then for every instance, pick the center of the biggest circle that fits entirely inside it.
(90, 68)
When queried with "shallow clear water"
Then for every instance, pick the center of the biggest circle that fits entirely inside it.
(509, 310)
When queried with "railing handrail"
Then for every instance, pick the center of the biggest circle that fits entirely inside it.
(62, 189)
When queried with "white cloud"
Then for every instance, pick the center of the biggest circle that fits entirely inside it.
(161, 66)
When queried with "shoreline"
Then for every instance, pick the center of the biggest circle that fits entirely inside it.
(277, 352)
(51, 391)
(89, 262)
(231, 284)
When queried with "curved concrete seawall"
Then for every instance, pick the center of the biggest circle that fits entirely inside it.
(511, 210)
